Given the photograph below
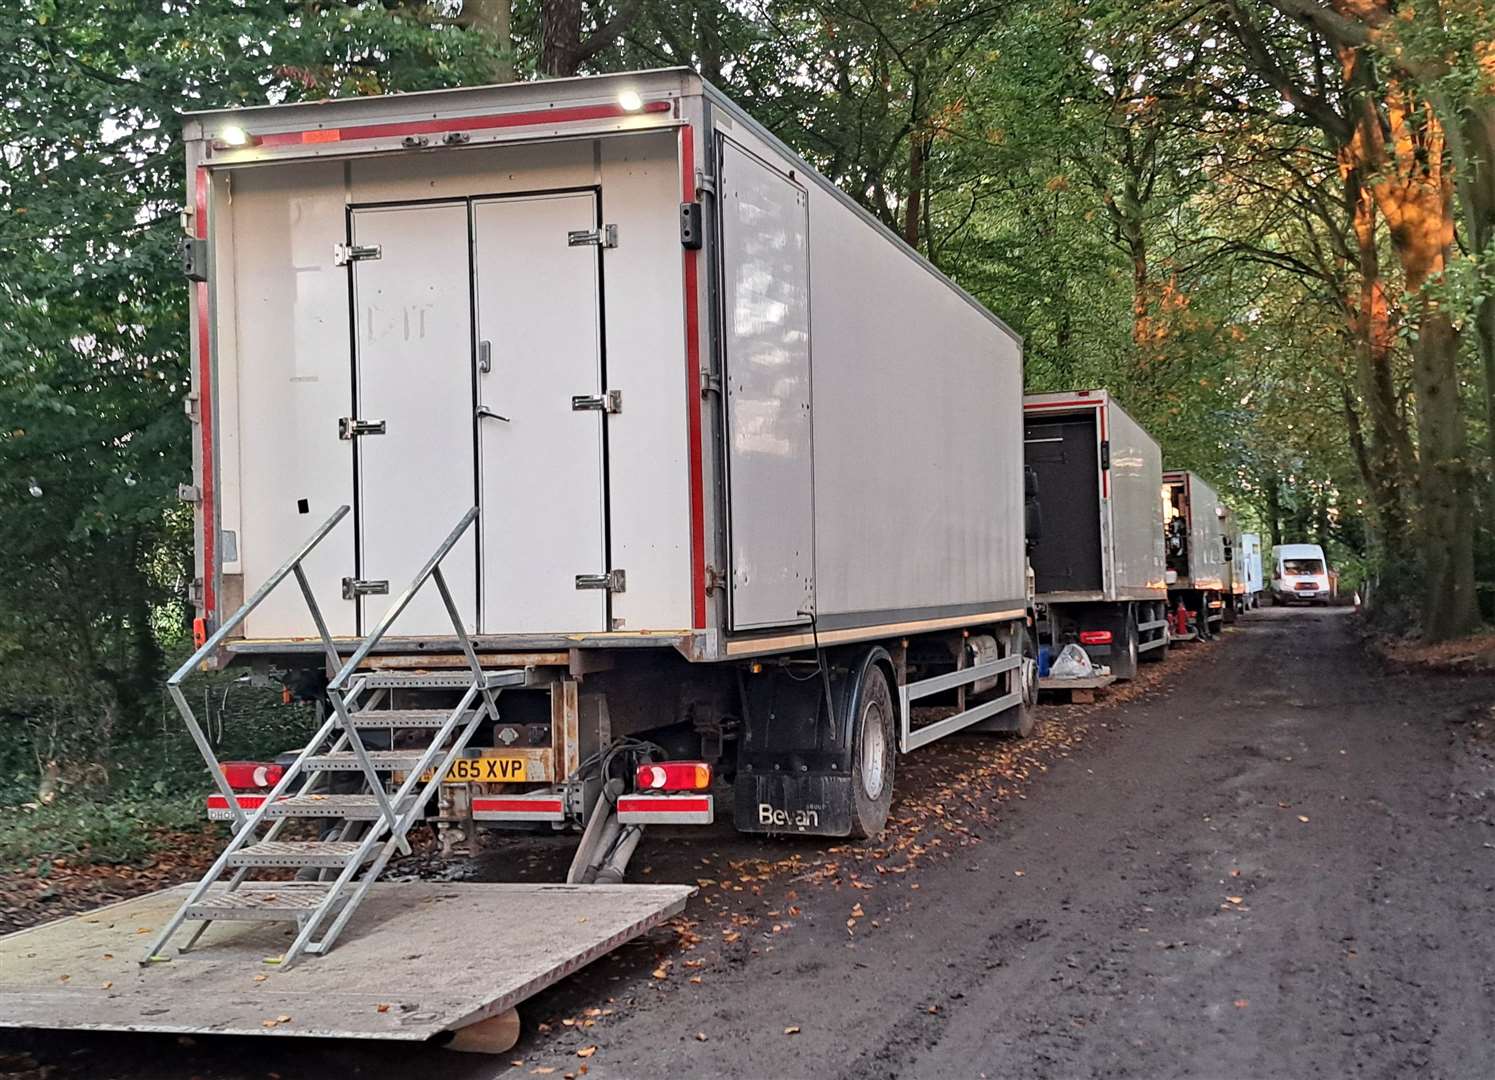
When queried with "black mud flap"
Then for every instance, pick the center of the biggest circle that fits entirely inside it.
(807, 804)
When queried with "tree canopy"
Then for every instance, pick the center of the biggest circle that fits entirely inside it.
(1267, 225)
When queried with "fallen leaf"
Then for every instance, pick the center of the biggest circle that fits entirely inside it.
(700, 1036)
(1241, 1003)
(383, 1007)
(107, 985)
(260, 978)
(517, 1062)
(1303, 818)
(660, 973)
(792, 1029)
(282, 1019)
(586, 1051)
(543, 1070)
(696, 979)
(1236, 899)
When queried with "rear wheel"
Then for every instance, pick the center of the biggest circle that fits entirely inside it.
(1131, 648)
(872, 754)
(1026, 677)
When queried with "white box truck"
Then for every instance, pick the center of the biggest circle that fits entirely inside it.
(1251, 558)
(615, 454)
(1098, 564)
(1198, 567)
(638, 419)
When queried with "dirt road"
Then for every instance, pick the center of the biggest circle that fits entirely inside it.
(1280, 863)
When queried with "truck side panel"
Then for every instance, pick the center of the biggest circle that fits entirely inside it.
(917, 423)
(1136, 508)
(1206, 536)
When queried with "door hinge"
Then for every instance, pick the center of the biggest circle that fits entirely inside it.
(343, 254)
(194, 255)
(691, 230)
(612, 581)
(356, 587)
(610, 401)
(1105, 453)
(350, 428)
(716, 581)
(189, 493)
(607, 237)
(711, 383)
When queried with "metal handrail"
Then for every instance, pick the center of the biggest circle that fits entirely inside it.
(339, 681)
(233, 621)
(208, 647)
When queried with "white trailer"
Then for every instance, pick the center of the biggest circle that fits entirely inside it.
(1251, 559)
(1097, 562)
(1198, 566)
(651, 406)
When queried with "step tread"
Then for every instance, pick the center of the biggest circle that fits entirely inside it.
(412, 718)
(326, 853)
(355, 807)
(347, 760)
(456, 679)
(271, 901)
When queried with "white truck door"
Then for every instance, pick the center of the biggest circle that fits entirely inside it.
(770, 463)
(414, 373)
(542, 458)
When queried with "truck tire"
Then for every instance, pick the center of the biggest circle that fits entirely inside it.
(1201, 618)
(1125, 666)
(1027, 681)
(872, 754)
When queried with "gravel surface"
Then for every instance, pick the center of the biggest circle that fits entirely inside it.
(1269, 860)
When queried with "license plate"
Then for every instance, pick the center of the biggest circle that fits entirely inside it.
(484, 770)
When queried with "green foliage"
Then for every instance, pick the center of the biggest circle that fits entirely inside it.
(93, 336)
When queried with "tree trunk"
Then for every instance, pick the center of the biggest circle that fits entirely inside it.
(560, 38)
(1415, 194)
(1449, 604)
(1388, 450)
(912, 204)
(495, 19)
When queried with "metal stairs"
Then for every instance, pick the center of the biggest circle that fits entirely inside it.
(360, 831)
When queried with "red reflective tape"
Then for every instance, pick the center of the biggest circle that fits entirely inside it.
(208, 487)
(663, 804)
(570, 115)
(518, 805)
(693, 396)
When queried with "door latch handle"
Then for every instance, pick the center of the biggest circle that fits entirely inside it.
(485, 412)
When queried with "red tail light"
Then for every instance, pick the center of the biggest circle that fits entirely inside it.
(673, 776)
(251, 775)
(1095, 637)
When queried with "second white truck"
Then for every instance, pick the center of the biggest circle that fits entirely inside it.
(1097, 561)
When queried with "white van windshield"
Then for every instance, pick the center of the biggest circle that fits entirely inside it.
(1302, 567)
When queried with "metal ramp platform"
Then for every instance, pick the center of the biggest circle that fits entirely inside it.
(423, 958)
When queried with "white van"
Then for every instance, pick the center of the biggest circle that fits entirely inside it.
(1301, 573)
